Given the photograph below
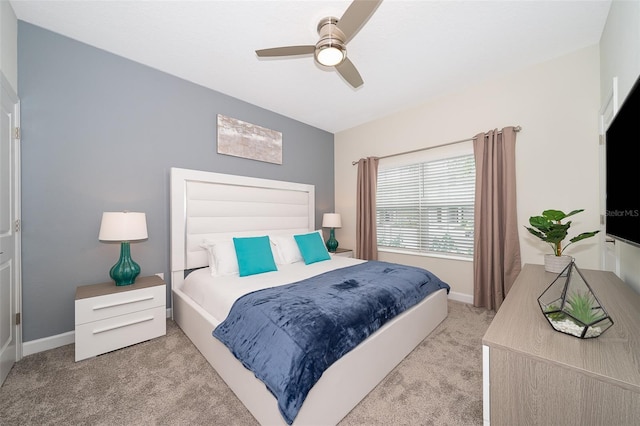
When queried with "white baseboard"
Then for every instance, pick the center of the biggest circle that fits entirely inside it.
(461, 297)
(40, 345)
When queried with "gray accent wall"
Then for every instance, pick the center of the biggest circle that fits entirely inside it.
(100, 133)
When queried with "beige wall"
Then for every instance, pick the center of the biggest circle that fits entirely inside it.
(9, 44)
(620, 58)
(557, 105)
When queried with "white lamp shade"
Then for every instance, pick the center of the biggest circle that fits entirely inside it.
(331, 220)
(123, 226)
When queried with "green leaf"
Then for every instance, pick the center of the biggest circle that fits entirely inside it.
(574, 212)
(557, 234)
(583, 236)
(558, 215)
(554, 215)
(541, 223)
(536, 233)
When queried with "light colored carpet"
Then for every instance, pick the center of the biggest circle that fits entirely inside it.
(166, 381)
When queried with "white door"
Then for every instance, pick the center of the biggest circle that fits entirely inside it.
(609, 260)
(10, 294)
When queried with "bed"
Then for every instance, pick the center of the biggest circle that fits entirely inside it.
(208, 206)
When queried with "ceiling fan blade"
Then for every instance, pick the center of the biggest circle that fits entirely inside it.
(286, 51)
(356, 15)
(349, 72)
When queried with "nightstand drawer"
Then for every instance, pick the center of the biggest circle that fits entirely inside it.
(111, 305)
(109, 334)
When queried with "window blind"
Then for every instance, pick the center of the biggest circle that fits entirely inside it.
(428, 207)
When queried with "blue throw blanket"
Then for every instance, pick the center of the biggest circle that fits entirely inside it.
(289, 335)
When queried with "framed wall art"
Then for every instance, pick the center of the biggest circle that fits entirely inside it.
(241, 139)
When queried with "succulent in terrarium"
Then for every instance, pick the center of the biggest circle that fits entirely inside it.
(582, 306)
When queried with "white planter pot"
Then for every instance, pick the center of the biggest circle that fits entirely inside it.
(556, 264)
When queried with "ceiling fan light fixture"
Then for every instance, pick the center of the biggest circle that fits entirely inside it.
(330, 55)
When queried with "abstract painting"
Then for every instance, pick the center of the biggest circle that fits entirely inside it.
(241, 139)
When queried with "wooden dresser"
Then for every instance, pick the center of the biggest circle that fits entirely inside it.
(534, 375)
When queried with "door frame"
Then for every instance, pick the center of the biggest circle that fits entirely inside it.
(609, 251)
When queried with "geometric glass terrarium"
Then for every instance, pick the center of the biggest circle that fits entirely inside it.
(572, 308)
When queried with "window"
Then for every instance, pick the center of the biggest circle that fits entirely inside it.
(427, 207)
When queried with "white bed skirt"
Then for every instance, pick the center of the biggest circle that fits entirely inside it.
(341, 387)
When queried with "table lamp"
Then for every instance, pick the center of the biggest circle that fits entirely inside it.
(332, 221)
(123, 227)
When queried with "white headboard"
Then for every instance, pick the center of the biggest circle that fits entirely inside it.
(213, 205)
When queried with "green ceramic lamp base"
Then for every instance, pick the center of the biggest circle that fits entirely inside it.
(126, 270)
(332, 243)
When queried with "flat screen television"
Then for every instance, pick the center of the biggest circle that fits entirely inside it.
(622, 220)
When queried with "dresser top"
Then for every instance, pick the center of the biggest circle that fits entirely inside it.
(520, 326)
(95, 290)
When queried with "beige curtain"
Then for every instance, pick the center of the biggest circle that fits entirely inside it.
(366, 231)
(496, 255)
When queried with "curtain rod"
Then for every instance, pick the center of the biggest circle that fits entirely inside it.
(353, 163)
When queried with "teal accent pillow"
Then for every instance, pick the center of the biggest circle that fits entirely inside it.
(312, 247)
(254, 255)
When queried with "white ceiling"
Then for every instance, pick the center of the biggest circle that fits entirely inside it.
(407, 53)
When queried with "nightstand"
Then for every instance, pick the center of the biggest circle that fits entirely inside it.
(110, 317)
(342, 252)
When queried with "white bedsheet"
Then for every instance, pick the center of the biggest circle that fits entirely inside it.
(216, 295)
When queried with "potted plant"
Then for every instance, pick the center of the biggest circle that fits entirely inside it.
(550, 229)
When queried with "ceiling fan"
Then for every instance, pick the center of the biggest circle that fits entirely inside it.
(331, 49)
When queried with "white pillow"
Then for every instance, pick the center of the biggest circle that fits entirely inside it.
(222, 257)
(276, 252)
(286, 248)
